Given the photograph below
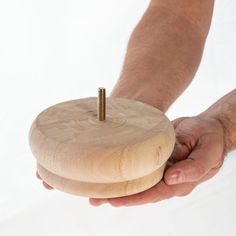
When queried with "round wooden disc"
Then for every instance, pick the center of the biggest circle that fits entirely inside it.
(101, 190)
(69, 141)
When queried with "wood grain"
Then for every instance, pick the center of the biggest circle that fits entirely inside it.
(74, 148)
(101, 190)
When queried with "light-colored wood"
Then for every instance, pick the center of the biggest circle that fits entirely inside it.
(101, 190)
(122, 155)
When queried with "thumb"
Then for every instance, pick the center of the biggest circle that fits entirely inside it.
(200, 161)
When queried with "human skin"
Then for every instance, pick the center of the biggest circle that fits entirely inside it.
(163, 55)
(164, 51)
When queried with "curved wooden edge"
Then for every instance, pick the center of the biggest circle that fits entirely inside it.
(138, 160)
(108, 156)
(101, 190)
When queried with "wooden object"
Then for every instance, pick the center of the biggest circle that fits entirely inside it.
(121, 155)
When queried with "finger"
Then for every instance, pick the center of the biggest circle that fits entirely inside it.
(38, 176)
(179, 153)
(181, 150)
(47, 186)
(97, 201)
(177, 121)
(184, 189)
(202, 159)
(158, 192)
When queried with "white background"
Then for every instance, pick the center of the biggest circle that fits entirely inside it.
(52, 51)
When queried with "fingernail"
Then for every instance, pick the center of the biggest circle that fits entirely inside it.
(176, 178)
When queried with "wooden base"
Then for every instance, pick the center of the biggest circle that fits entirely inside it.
(101, 190)
(122, 155)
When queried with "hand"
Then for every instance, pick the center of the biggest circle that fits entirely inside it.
(198, 155)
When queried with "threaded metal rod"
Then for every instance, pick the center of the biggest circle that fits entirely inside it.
(101, 106)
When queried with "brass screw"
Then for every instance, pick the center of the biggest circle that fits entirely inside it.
(101, 104)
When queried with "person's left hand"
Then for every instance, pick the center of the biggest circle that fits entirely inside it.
(198, 155)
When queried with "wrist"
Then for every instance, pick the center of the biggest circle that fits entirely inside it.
(228, 146)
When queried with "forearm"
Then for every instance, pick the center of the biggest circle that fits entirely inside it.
(224, 110)
(164, 51)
